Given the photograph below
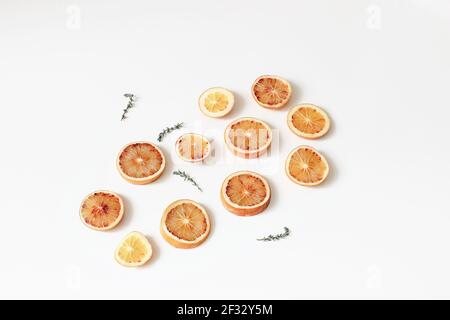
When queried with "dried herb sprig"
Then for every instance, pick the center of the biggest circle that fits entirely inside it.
(168, 130)
(131, 99)
(276, 237)
(187, 178)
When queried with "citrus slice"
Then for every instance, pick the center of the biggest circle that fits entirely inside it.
(134, 250)
(185, 224)
(141, 162)
(248, 137)
(192, 147)
(216, 102)
(306, 166)
(245, 193)
(271, 91)
(101, 210)
(308, 121)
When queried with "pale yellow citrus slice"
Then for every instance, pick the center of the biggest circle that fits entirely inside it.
(101, 210)
(245, 193)
(192, 147)
(185, 224)
(135, 250)
(271, 91)
(248, 137)
(308, 121)
(141, 162)
(306, 166)
(216, 102)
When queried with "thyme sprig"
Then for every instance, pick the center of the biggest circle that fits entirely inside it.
(131, 99)
(168, 130)
(277, 237)
(187, 178)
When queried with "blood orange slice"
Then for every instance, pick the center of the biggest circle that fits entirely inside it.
(185, 224)
(101, 210)
(192, 147)
(308, 121)
(245, 193)
(248, 137)
(141, 162)
(271, 91)
(306, 166)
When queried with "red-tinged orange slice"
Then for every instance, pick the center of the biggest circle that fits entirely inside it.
(308, 121)
(245, 193)
(193, 147)
(271, 91)
(185, 224)
(141, 162)
(248, 137)
(306, 166)
(101, 210)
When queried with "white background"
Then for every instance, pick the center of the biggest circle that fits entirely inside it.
(378, 228)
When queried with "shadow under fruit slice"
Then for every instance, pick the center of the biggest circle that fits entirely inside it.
(271, 91)
(216, 102)
(192, 147)
(101, 210)
(141, 162)
(248, 137)
(306, 166)
(134, 250)
(185, 224)
(245, 193)
(308, 121)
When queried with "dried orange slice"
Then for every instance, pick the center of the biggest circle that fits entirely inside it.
(271, 91)
(308, 121)
(134, 250)
(248, 137)
(245, 193)
(141, 162)
(306, 166)
(185, 224)
(192, 147)
(216, 102)
(101, 210)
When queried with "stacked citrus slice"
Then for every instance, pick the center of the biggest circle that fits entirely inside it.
(193, 147)
(245, 193)
(141, 162)
(271, 91)
(101, 210)
(248, 137)
(185, 224)
(306, 166)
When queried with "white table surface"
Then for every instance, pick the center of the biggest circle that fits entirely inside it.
(378, 228)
